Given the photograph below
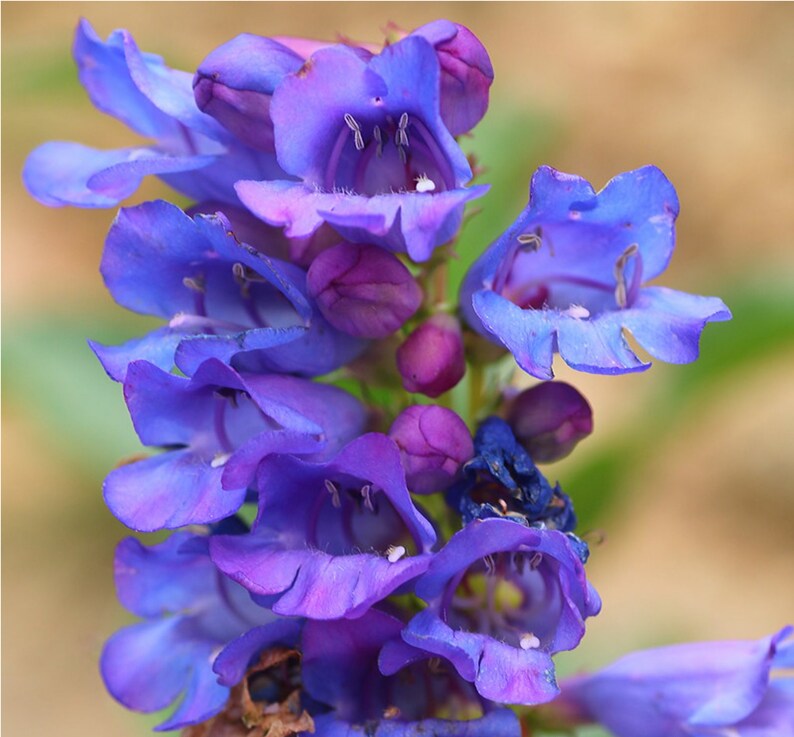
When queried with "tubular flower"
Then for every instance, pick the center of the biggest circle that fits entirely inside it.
(707, 689)
(222, 299)
(365, 137)
(341, 670)
(502, 599)
(192, 151)
(569, 276)
(332, 538)
(190, 613)
(218, 425)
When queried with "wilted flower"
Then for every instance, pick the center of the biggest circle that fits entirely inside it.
(568, 276)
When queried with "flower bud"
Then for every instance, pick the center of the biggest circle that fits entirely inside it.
(235, 82)
(363, 290)
(550, 419)
(431, 360)
(434, 442)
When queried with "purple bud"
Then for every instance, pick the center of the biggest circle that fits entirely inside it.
(431, 359)
(550, 419)
(466, 73)
(434, 443)
(235, 82)
(363, 290)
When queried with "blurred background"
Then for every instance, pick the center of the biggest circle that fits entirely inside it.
(688, 478)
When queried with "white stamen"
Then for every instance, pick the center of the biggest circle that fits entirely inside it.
(220, 460)
(531, 240)
(424, 183)
(528, 641)
(196, 284)
(394, 553)
(536, 560)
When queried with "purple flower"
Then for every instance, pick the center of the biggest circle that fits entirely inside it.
(550, 419)
(340, 670)
(192, 152)
(502, 599)
(366, 138)
(190, 612)
(363, 290)
(223, 299)
(218, 425)
(434, 442)
(431, 360)
(568, 276)
(330, 538)
(690, 690)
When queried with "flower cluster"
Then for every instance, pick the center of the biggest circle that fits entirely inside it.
(346, 557)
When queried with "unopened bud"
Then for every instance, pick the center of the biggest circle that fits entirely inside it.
(363, 290)
(434, 443)
(431, 360)
(235, 83)
(550, 419)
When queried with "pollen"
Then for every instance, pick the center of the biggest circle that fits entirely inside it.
(529, 641)
(424, 184)
(394, 553)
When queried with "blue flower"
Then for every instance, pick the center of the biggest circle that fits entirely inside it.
(691, 690)
(217, 426)
(190, 613)
(503, 598)
(222, 299)
(569, 276)
(332, 538)
(192, 151)
(365, 137)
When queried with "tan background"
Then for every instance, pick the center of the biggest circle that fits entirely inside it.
(699, 537)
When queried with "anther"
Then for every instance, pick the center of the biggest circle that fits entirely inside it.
(578, 312)
(333, 490)
(378, 136)
(528, 641)
(194, 283)
(532, 241)
(490, 565)
(394, 553)
(402, 130)
(621, 295)
(535, 560)
(365, 492)
(358, 139)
